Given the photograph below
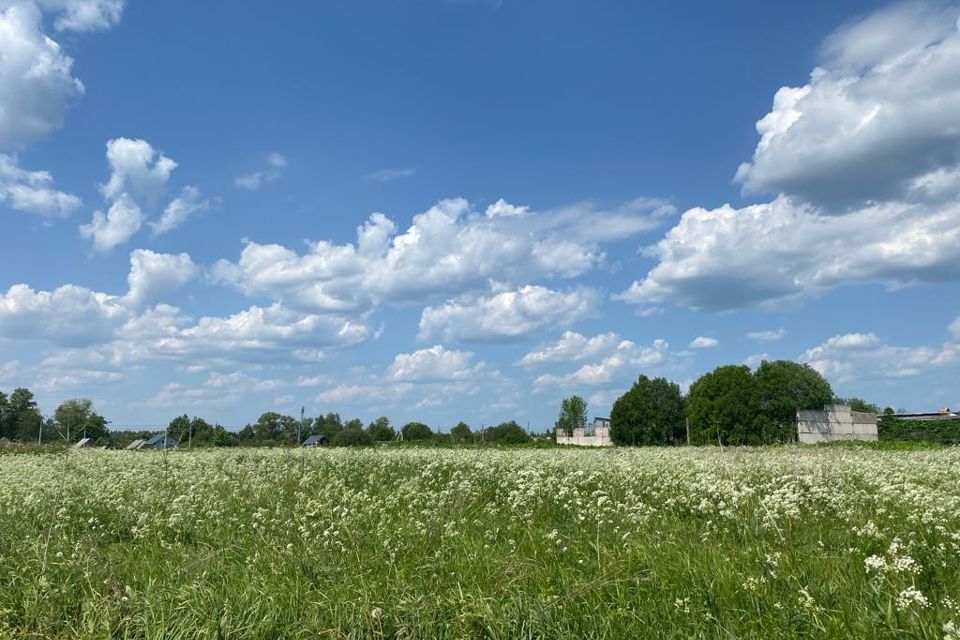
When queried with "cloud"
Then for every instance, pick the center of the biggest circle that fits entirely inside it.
(702, 342)
(865, 159)
(138, 182)
(783, 251)
(115, 227)
(153, 275)
(31, 192)
(388, 175)
(67, 316)
(276, 164)
(768, 335)
(882, 109)
(448, 250)
(84, 15)
(36, 82)
(858, 357)
(571, 347)
(180, 208)
(509, 315)
(431, 365)
(625, 361)
(137, 169)
(217, 390)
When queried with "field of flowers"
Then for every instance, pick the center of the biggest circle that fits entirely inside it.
(417, 543)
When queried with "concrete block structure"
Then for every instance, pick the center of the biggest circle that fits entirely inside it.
(835, 422)
(598, 435)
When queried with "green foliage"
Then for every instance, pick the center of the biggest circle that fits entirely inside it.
(573, 414)
(722, 407)
(275, 427)
(19, 406)
(352, 437)
(413, 431)
(891, 428)
(784, 387)
(381, 431)
(650, 413)
(197, 432)
(506, 433)
(461, 433)
(859, 404)
(77, 419)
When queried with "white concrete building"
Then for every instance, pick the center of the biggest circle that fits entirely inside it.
(835, 422)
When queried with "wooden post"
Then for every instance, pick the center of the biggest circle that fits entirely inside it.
(687, 420)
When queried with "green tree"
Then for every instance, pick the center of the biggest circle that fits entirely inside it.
(29, 425)
(723, 407)
(573, 414)
(461, 432)
(416, 431)
(76, 419)
(12, 408)
(857, 404)
(507, 433)
(381, 431)
(273, 427)
(652, 412)
(783, 388)
(352, 437)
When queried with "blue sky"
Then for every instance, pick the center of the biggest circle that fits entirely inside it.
(445, 210)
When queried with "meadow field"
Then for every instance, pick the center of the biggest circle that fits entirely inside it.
(781, 542)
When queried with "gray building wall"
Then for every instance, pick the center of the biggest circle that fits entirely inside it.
(835, 422)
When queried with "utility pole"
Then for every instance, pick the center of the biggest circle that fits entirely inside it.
(687, 420)
(300, 426)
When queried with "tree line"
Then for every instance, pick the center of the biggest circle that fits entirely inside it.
(21, 421)
(731, 405)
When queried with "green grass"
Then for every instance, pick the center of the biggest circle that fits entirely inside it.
(448, 543)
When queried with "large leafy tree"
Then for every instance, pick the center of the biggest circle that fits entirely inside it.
(506, 433)
(20, 405)
(723, 407)
(784, 387)
(275, 427)
(650, 413)
(461, 432)
(417, 431)
(573, 414)
(380, 430)
(77, 419)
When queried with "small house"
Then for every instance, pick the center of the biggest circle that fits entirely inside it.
(136, 445)
(160, 441)
(315, 441)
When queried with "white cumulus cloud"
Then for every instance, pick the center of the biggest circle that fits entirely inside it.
(508, 315)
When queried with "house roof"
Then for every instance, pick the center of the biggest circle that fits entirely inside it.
(84, 442)
(312, 440)
(136, 444)
(157, 439)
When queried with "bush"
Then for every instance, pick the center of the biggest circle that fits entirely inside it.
(506, 433)
(941, 431)
(353, 437)
(416, 431)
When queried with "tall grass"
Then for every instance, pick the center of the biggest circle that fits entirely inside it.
(412, 543)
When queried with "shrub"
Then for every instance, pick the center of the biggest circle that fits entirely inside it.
(353, 437)
(942, 431)
(416, 431)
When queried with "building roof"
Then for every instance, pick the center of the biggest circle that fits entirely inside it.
(84, 443)
(314, 440)
(136, 444)
(157, 439)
